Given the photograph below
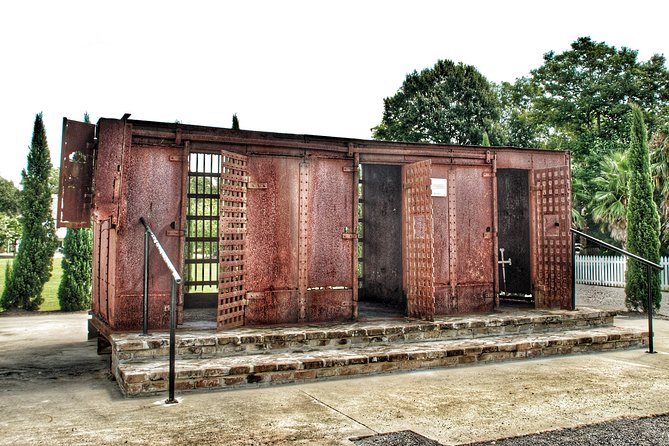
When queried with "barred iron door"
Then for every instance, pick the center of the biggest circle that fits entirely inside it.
(231, 295)
(418, 240)
(553, 239)
(201, 250)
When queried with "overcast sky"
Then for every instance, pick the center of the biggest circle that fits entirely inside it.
(314, 67)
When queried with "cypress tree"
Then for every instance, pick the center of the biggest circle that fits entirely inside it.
(643, 221)
(74, 291)
(486, 139)
(235, 122)
(33, 263)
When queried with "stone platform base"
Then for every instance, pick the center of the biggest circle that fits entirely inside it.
(266, 356)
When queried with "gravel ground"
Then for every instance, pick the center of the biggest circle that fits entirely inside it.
(610, 298)
(651, 431)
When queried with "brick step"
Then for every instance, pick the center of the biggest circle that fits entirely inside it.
(149, 377)
(129, 347)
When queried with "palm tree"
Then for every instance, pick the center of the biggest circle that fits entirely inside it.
(659, 158)
(609, 203)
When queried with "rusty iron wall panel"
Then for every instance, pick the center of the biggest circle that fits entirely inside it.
(553, 245)
(330, 305)
(382, 240)
(474, 225)
(528, 160)
(475, 298)
(127, 306)
(103, 269)
(418, 240)
(95, 267)
(153, 182)
(111, 134)
(233, 229)
(272, 307)
(272, 238)
(514, 229)
(75, 191)
(330, 213)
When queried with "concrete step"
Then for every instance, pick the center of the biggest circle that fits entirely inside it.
(151, 376)
(208, 344)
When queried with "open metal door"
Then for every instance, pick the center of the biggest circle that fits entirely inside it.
(552, 188)
(418, 240)
(232, 230)
(75, 191)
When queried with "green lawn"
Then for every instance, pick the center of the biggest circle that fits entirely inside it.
(50, 292)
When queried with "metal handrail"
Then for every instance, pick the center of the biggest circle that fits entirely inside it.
(616, 249)
(176, 279)
(649, 276)
(163, 254)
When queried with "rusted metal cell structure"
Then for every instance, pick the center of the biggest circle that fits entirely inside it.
(275, 228)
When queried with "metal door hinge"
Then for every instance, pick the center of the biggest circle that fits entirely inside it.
(253, 185)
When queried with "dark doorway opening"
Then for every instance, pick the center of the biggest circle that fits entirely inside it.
(513, 204)
(380, 210)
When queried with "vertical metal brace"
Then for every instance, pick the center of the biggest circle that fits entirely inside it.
(452, 235)
(303, 239)
(354, 253)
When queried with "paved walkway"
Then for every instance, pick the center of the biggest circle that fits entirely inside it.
(54, 390)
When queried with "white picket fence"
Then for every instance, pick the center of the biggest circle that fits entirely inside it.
(610, 270)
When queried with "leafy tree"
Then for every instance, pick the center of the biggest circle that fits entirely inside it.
(74, 292)
(609, 204)
(9, 197)
(580, 100)
(32, 266)
(448, 103)
(10, 231)
(235, 122)
(587, 89)
(10, 227)
(643, 222)
(518, 121)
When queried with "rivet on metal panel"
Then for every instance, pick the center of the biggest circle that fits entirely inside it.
(177, 158)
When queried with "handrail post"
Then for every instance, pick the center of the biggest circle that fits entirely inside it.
(176, 279)
(145, 326)
(573, 271)
(649, 307)
(173, 326)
